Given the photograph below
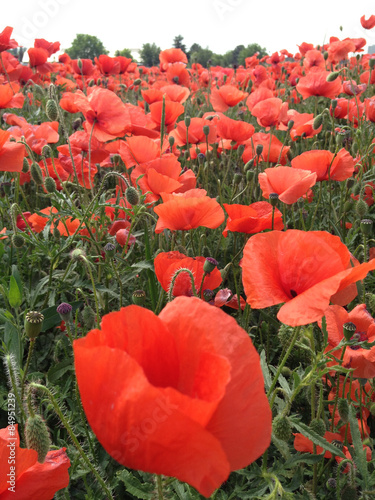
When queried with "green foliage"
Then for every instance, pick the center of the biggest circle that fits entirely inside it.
(150, 54)
(86, 47)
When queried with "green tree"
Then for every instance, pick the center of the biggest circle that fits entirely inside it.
(249, 51)
(150, 54)
(177, 43)
(86, 47)
(124, 53)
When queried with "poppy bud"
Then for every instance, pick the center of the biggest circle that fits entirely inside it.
(171, 140)
(65, 312)
(89, 317)
(77, 254)
(25, 166)
(361, 208)
(366, 227)
(317, 425)
(37, 436)
(206, 130)
(50, 184)
(36, 173)
(18, 240)
(187, 121)
(349, 492)
(281, 428)
(132, 195)
(332, 76)
(318, 121)
(33, 324)
(237, 178)
(51, 110)
(349, 330)
(259, 149)
(110, 250)
(343, 409)
(76, 124)
(273, 197)
(139, 297)
(209, 265)
(290, 125)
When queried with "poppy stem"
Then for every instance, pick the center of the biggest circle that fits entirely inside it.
(283, 361)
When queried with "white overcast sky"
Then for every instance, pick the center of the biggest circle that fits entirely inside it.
(220, 25)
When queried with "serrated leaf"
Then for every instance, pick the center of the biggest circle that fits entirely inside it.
(316, 438)
(14, 293)
(359, 451)
(57, 371)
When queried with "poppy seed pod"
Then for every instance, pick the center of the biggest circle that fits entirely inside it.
(33, 324)
(37, 436)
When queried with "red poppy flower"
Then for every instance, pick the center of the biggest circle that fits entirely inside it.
(357, 357)
(315, 83)
(187, 211)
(167, 263)
(270, 112)
(104, 111)
(368, 23)
(250, 219)
(290, 184)
(11, 154)
(226, 97)
(32, 480)
(323, 162)
(306, 270)
(184, 389)
(5, 42)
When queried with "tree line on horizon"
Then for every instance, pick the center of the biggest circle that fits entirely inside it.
(89, 47)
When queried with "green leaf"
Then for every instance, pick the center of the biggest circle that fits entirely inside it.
(359, 451)
(134, 486)
(316, 438)
(14, 294)
(57, 371)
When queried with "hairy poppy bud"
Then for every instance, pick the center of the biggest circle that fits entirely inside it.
(89, 317)
(139, 297)
(36, 173)
(281, 428)
(349, 329)
(332, 76)
(51, 110)
(65, 312)
(132, 195)
(343, 409)
(25, 166)
(50, 184)
(37, 436)
(318, 120)
(318, 426)
(361, 208)
(33, 324)
(18, 240)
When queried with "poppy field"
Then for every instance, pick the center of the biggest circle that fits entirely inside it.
(187, 287)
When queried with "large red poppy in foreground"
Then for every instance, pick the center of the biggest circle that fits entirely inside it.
(33, 480)
(179, 394)
(306, 270)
